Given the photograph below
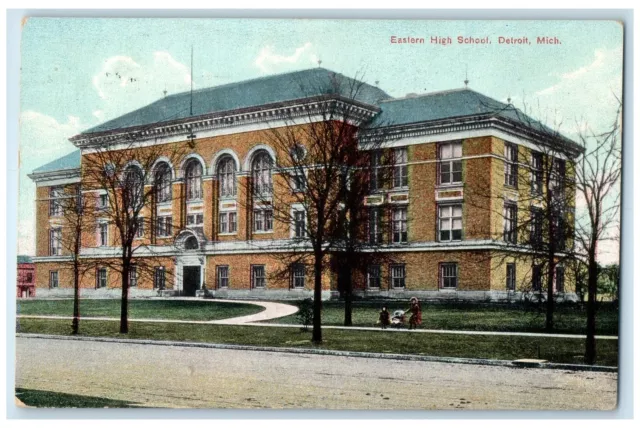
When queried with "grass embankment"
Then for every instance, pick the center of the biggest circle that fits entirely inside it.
(569, 319)
(37, 398)
(560, 350)
(191, 310)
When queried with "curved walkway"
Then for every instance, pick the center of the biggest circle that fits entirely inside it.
(272, 310)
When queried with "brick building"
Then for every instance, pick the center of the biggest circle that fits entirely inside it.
(26, 277)
(447, 241)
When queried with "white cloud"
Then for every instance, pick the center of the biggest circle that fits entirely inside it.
(42, 139)
(574, 91)
(268, 59)
(125, 84)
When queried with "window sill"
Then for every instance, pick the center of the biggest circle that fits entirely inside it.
(262, 232)
(449, 185)
(227, 233)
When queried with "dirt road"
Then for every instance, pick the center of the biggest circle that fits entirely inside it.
(174, 376)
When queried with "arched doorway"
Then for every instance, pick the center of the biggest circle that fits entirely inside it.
(190, 263)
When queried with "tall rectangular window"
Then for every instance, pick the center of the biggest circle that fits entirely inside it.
(560, 279)
(374, 275)
(299, 224)
(536, 278)
(55, 205)
(375, 226)
(223, 223)
(559, 230)
(558, 172)
(53, 279)
(536, 173)
(133, 276)
(195, 219)
(163, 226)
(399, 225)
(510, 218)
(298, 181)
(448, 275)
(511, 276)
(400, 168)
(140, 227)
(159, 278)
(298, 273)
(375, 172)
(511, 165)
(450, 222)
(263, 220)
(55, 241)
(101, 278)
(397, 276)
(223, 276)
(103, 234)
(103, 201)
(536, 227)
(258, 276)
(450, 163)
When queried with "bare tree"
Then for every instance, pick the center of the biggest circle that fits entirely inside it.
(68, 203)
(536, 204)
(598, 174)
(319, 166)
(123, 184)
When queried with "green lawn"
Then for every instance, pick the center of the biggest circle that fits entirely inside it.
(203, 310)
(558, 350)
(475, 317)
(37, 398)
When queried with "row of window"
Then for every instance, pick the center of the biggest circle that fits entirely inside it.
(449, 224)
(558, 170)
(510, 226)
(449, 172)
(448, 277)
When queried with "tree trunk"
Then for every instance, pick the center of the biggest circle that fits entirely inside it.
(316, 336)
(592, 289)
(550, 297)
(124, 304)
(348, 296)
(75, 325)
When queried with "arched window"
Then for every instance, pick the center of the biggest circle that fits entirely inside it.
(261, 172)
(163, 183)
(227, 176)
(191, 243)
(133, 187)
(193, 178)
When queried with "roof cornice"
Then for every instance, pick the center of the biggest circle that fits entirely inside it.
(60, 174)
(468, 123)
(280, 111)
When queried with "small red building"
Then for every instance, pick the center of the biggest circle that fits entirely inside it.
(26, 277)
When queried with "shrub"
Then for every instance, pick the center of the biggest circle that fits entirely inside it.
(305, 314)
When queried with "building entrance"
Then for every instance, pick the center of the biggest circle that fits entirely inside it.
(190, 280)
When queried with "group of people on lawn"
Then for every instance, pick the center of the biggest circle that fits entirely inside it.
(414, 321)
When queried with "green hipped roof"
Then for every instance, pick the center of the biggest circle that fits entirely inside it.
(433, 107)
(70, 161)
(249, 93)
(443, 105)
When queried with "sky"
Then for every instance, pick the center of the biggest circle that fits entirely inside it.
(68, 65)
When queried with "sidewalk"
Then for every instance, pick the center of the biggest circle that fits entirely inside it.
(269, 313)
